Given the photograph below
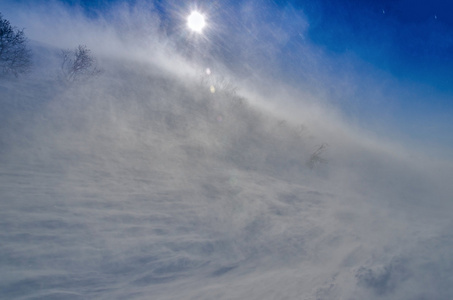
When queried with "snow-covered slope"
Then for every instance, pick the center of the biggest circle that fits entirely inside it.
(138, 184)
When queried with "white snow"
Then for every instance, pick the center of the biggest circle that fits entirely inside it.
(142, 184)
(129, 187)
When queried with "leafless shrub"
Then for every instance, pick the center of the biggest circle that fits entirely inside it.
(15, 56)
(316, 159)
(78, 64)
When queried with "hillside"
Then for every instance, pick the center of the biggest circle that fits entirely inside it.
(142, 184)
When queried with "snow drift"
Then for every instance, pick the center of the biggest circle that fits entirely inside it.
(142, 183)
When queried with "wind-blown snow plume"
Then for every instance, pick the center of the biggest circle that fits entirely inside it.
(144, 182)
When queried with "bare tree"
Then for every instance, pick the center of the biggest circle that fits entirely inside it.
(15, 56)
(78, 64)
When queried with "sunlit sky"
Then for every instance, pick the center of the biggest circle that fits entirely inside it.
(385, 64)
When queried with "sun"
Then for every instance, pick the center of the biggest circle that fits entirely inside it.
(196, 21)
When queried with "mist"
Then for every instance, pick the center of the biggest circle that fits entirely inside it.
(210, 166)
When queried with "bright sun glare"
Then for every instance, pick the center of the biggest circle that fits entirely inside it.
(196, 21)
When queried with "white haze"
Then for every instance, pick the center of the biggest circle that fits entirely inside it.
(142, 184)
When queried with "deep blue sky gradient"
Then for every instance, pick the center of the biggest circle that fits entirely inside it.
(409, 38)
(412, 39)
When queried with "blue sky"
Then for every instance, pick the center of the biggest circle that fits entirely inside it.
(387, 65)
(410, 39)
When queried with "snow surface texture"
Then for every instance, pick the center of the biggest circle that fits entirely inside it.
(143, 184)
(136, 185)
